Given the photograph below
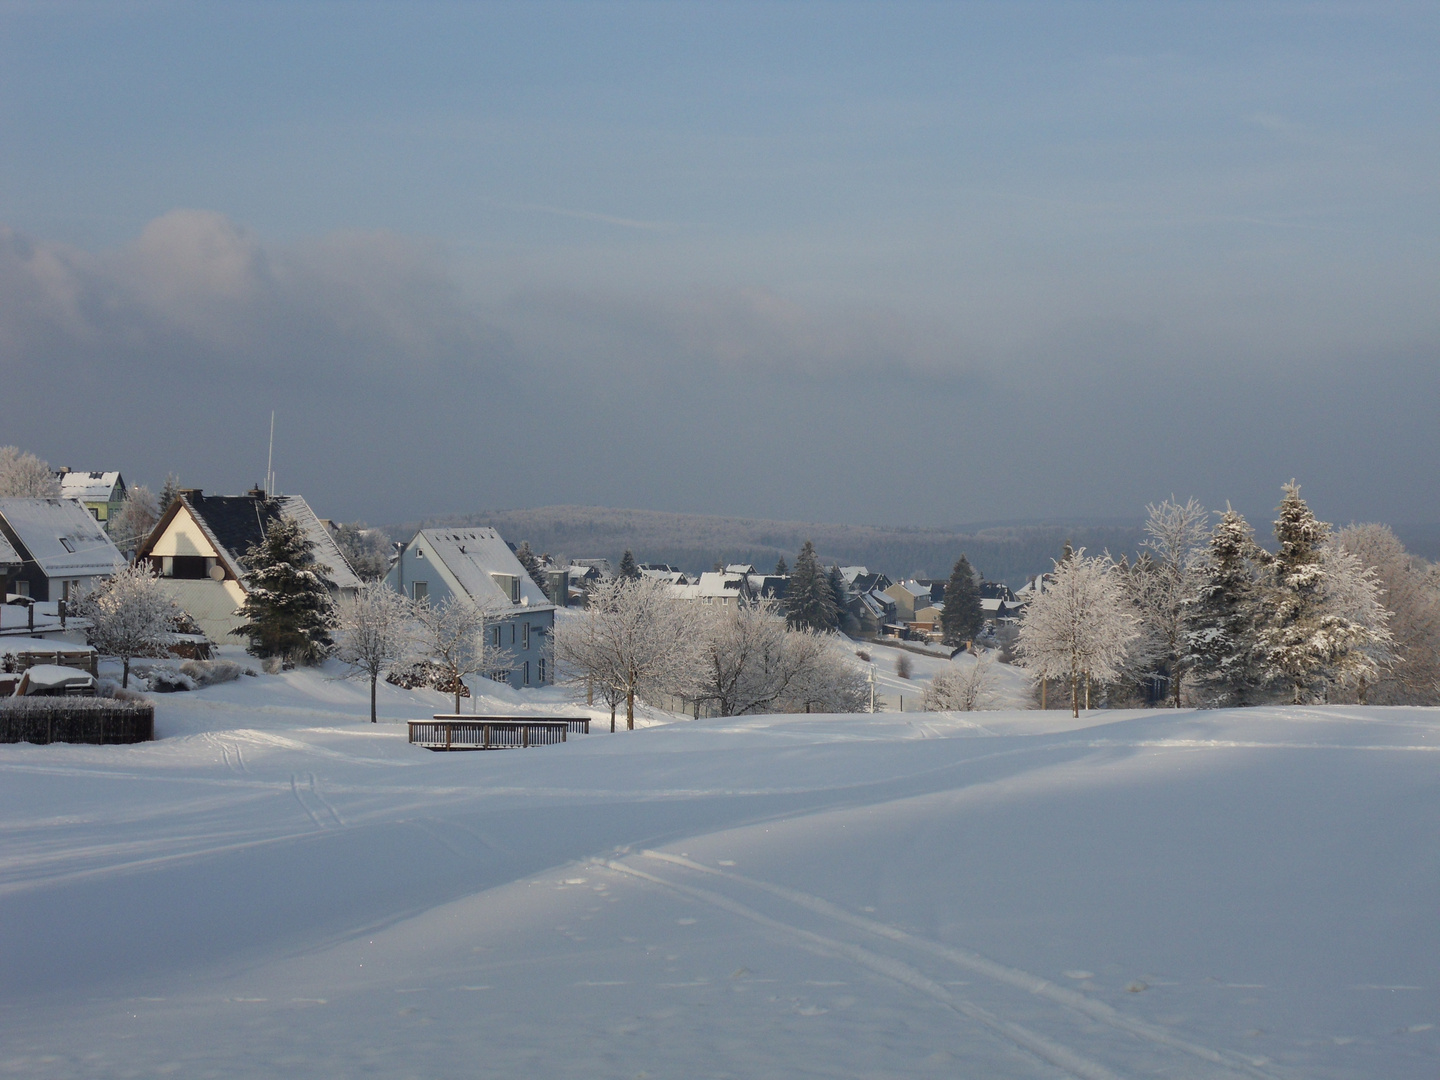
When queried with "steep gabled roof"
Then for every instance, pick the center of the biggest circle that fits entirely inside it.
(60, 536)
(472, 555)
(90, 486)
(235, 523)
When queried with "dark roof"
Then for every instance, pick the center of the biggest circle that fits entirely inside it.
(236, 521)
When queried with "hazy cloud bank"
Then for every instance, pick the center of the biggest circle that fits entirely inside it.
(400, 395)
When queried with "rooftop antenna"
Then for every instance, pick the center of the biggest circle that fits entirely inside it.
(270, 460)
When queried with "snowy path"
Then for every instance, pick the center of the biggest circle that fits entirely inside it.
(277, 886)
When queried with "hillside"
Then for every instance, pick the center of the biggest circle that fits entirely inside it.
(277, 887)
(1009, 553)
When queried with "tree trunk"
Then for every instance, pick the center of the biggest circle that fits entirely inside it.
(1087, 691)
(1361, 690)
(125, 678)
(457, 693)
(612, 718)
(630, 707)
(1044, 682)
(1075, 695)
(373, 677)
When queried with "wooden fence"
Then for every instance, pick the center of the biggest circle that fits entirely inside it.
(467, 731)
(76, 720)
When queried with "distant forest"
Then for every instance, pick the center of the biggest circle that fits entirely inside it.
(696, 542)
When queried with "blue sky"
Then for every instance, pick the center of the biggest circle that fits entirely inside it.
(889, 263)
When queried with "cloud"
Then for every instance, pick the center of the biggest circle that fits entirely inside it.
(401, 394)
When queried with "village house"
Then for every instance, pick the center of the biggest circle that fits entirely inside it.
(199, 544)
(476, 564)
(102, 493)
(59, 547)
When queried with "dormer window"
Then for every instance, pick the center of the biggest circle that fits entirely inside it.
(509, 585)
(67, 545)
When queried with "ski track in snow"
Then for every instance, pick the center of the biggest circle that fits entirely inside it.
(1047, 1048)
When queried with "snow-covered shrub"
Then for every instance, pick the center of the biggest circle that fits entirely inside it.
(211, 672)
(961, 687)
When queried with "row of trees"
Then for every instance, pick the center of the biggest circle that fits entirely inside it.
(634, 641)
(1212, 616)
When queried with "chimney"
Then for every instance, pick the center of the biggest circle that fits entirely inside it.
(256, 492)
(192, 493)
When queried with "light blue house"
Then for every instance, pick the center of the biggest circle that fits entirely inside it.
(475, 563)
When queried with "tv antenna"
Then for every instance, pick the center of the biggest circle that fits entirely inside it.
(270, 460)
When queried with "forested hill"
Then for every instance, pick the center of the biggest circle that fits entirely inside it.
(695, 542)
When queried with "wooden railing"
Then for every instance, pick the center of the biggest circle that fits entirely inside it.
(467, 731)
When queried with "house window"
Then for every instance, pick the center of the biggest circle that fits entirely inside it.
(497, 637)
(525, 667)
(525, 636)
(67, 545)
(22, 587)
(419, 554)
(189, 567)
(419, 590)
(540, 668)
(512, 633)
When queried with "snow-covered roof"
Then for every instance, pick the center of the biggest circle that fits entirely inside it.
(327, 551)
(668, 576)
(850, 573)
(89, 486)
(61, 536)
(914, 588)
(472, 556)
(739, 568)
(8, 555)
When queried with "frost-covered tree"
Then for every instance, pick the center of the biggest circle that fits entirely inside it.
(367, 550)
(1410, 589)
(130, 615)
(1358, 620)
(781, 567)
(810, 599)
(452, 636)
(629, 571)
(25, 476)
(531, 562)
(828, 680)
(1223, 617)
(961, 687)
(1079, 627)
(634, 634)
(750, 662)
(374, 632)
(840, 591)
(962, 617)
(169, 491)
(137, 517)
(585, 659)
(1321, 631)
(1174, 544)
(288, 611)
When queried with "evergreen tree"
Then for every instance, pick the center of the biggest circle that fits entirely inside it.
(962, 618)
(840, 591)
(810, 601)
(781, 567)
(628, 570)
(169, 492)
(1222, 619)
(1326, 624)
(287, 610)
(532, 566)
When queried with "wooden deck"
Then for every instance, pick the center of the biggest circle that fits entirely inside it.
(467, 731)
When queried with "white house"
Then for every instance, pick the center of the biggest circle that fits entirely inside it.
(476, 564)
(60, 547)
(198, 545)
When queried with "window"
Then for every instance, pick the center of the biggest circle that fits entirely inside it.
(419, 590)
(67, 545)
(540, 668)
(525, 667)
(512, 633)
(189, 567)
(525, 636)
(22, 588)
(419, 554)
(497, 636)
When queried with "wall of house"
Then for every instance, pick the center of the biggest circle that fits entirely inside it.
(212, 604)
(530, 666)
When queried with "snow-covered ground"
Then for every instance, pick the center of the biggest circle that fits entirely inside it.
(276, 887)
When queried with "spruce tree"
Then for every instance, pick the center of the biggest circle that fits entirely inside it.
(840, 591)
(288, 611)
(169, 492)
(628, 570)
(1292, 640)
(528, 560)
(962, 618)
(782, 568)
(810, 601)
(1222, 620)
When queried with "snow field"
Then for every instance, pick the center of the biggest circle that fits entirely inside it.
(278, 886)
